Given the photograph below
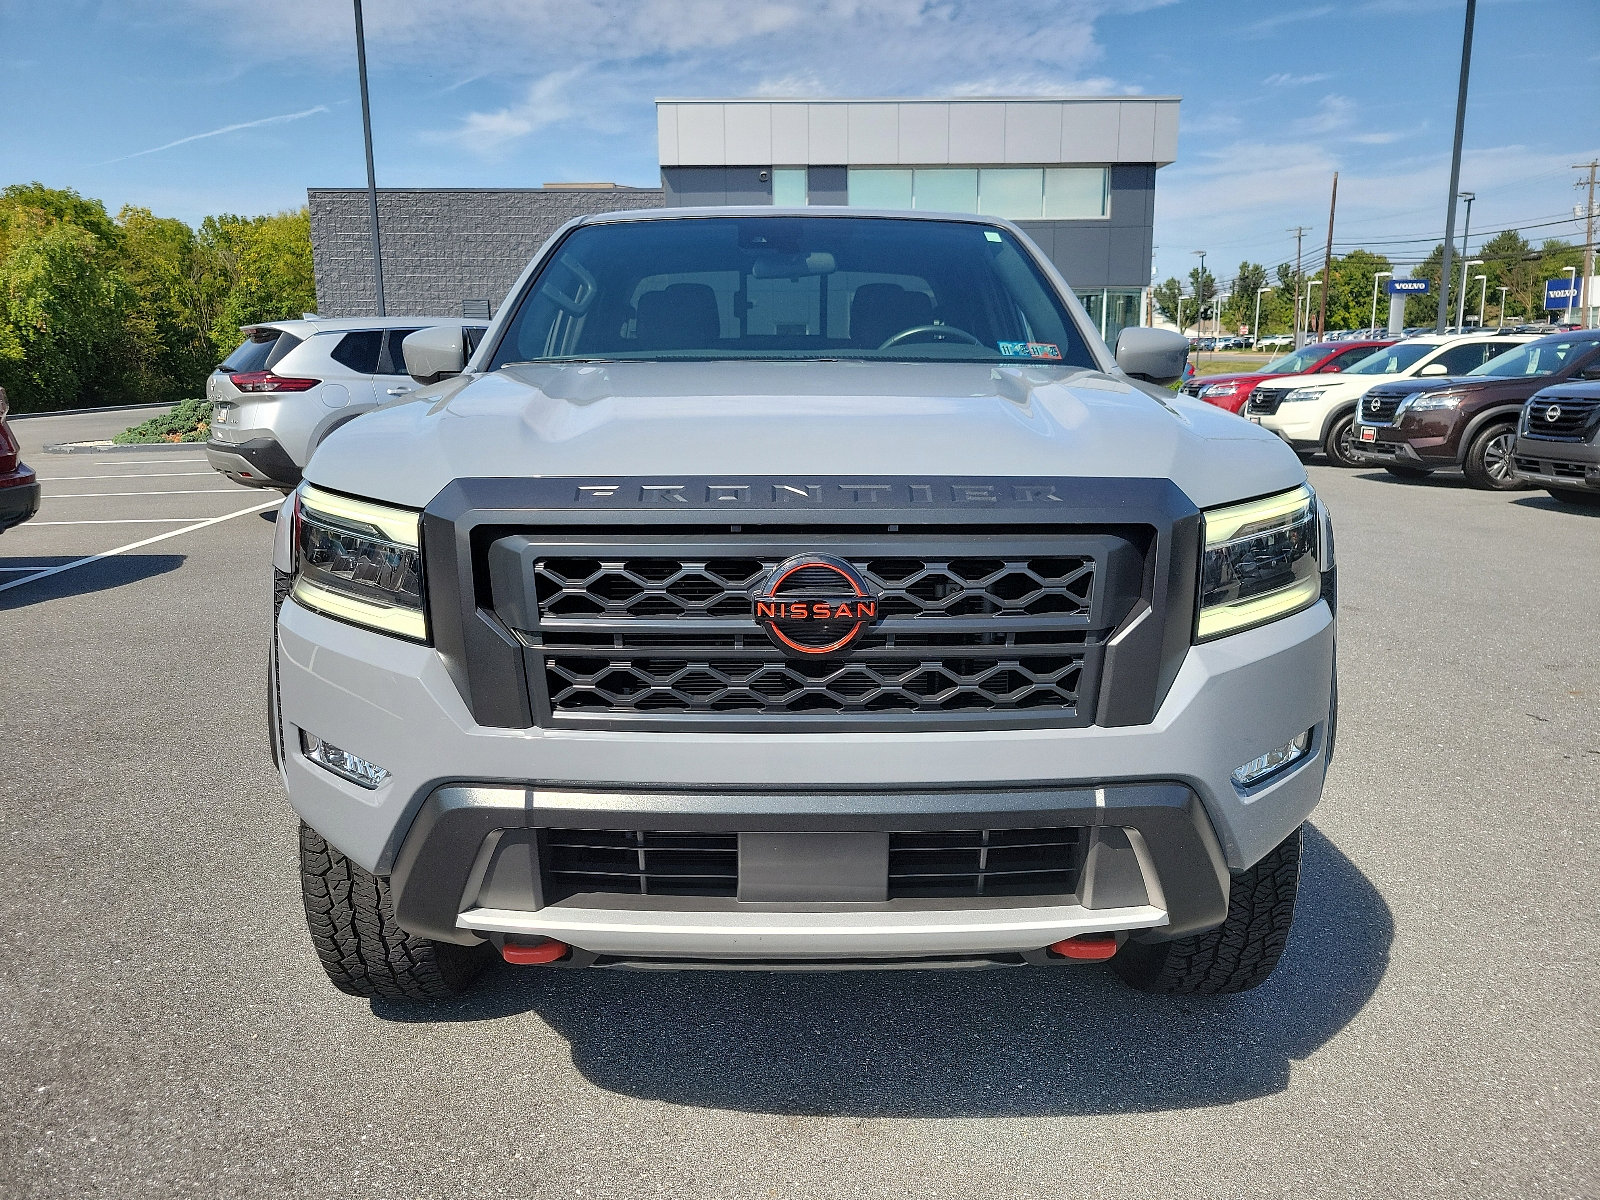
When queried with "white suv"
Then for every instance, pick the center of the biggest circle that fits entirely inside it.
(291, 383)
(1317, 412)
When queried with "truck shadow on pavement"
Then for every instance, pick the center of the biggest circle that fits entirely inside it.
(1022, 1042)
(99, 576)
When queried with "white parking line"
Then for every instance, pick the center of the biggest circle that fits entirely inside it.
(154, 492)
(150, 475)
(118, 521)
(149, 462)
(160, 537)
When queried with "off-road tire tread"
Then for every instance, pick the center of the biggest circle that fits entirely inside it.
(1240, 953)
(362, 948)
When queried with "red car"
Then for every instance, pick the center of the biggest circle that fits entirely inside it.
(19, 490)
(1231, 391)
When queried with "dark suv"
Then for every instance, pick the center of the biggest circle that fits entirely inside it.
(1558, 440)
(1413, 427)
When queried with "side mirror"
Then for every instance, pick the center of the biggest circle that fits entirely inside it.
(1430, 369)
(434, 354)
(1153, 355)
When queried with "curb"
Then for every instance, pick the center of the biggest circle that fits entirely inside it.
(79, 412)
(156, 448)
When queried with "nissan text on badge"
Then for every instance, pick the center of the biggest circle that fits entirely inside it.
(776, 589)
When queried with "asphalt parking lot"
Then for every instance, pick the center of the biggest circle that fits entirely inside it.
(165, 1029)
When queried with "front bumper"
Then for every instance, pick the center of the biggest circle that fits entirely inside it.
(395, 704)
(19, 497)
(1301, 429)
(258, 462)
(1573, 465)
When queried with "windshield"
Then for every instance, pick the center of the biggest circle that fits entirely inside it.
(1535, 359)
(1299, 363)
(701, 288)
(1391, 360)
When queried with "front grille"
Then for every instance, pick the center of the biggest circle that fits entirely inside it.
(634, 862)
(1264, 401)
(1193, 386)
(984, 862)
(1556, 468)
(651, 635)
(1571, 423)
(1378, 408)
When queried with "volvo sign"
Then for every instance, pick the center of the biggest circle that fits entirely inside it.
(1407, 287)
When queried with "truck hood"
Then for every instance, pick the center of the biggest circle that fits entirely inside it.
(615, 421)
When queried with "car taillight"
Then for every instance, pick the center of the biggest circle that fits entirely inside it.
(8, 446)
(266, 381)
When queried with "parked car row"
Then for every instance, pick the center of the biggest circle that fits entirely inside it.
(1507, 409)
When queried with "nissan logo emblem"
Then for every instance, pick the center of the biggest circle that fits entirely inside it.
(815, 604)
(1553, 413)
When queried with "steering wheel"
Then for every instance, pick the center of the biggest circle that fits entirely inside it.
(916, 330)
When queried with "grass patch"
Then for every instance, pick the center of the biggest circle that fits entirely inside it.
(1229, 364)
(189, 421)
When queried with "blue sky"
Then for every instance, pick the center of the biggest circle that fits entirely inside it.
(192, 107)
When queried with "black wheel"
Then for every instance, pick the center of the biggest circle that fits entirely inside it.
(1340, 444)
(1240, 953)
(1574, 496)
(1409, 472)
(1488, 461)
(361, 947)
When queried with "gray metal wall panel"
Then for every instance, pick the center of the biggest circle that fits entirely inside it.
(1083, 253)
(1128, 259)
(441, 246)
(1133, 191)
(828, 185)
(744, 185)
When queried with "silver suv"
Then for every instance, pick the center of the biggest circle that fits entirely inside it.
(801, 589)
(292, 382)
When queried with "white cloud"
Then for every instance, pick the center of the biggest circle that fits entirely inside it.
(1284, 79)
(281, 119)
(545, 101)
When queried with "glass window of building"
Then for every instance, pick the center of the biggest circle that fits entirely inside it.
(789, 187)
(1016, 193)
(946, 189)
(1075, 193)
(872, 187)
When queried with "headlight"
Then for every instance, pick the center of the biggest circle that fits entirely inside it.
(1425, 401)
(1305, 393)
(360, 562)
(1260, 562)
(1218, 389)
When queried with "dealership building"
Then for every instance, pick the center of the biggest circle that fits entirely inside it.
(1078, 175)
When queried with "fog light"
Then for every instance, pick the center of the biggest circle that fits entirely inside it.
(1258, 769)
(341, 762)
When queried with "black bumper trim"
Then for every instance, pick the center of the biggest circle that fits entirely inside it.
(18, 503)
(440, 866)
(270, 459)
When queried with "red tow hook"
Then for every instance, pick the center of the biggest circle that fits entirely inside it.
(1087, 947)
(525, 954)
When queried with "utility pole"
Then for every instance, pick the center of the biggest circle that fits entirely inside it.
(1461, 292)
(1455, 169)
(1585, 300)
(372, 181)
(1327, 265)
(1299, 232)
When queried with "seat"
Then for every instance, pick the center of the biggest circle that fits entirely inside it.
(680, 317)
(878, 311)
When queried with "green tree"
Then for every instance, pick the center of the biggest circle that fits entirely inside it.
(176, 303)
(1166, 296)
(1240, 307)
(261, 269)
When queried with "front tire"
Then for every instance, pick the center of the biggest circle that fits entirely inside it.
(1340, 444)
(1240, 953)
(1488, 461)
(362, 948)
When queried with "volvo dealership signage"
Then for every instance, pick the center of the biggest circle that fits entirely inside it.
(1567, 292)
(1407, 287)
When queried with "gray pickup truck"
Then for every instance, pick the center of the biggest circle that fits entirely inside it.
(780, 589)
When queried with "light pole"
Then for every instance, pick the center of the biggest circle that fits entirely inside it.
(1466, 229)
(1200, 293)
(1180, 312)
(1255, 327)
(372, 182)
(1572, 290)
(1483, 291)
(1502, 289)
(1380, 275)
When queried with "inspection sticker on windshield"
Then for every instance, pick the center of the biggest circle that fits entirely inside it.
(1030, 350)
